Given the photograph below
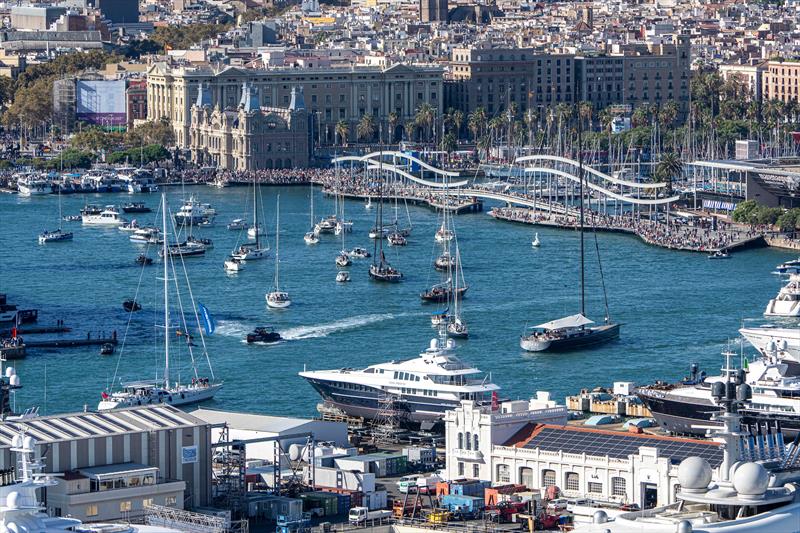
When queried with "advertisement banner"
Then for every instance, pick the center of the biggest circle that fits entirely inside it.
(101, 102)
(188, 455)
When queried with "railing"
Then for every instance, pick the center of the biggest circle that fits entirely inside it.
(468, 455)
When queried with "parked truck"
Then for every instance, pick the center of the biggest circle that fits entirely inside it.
(359, 515)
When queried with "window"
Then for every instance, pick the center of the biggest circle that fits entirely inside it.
(147, 502)
(618, 486)
(170, 500)
(91, 510)
(475, 441)
(526, 476)
(503, 474)
(460, 469)
(125, 506)
(468, 441)
(460, 441)
(596, 488)
(548, 478)
(476, 470)
(572, 481)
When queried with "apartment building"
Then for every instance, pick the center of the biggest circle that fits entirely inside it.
(781, 80)
(332, 94)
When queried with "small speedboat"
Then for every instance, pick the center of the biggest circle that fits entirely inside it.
(719, 254)
(135, 207)
(55, 236)
(142, 259)
(234, 264)
(375, 233)
(445, 262)
(131, 306)
(311, 237)
(359, 253)
(238, 224)
(343, 260)
(535, 243)
(131, 226)
(789, 267)
(396, 239)
(72, 218)
(343, 276)
(263, 334)
(107, 349)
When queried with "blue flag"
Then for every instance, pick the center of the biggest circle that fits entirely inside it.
(208, 320)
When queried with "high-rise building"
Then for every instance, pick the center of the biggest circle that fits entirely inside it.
(433, 10)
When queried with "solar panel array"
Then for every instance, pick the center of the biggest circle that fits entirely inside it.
(620, 446)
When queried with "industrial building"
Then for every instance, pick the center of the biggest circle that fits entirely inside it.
(33, 18)
(613, 466)
(114, 463)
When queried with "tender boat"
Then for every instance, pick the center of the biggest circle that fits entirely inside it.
(719, 254)
(58, 235)
(250, 251)
(234, 264)
(107, 217)
(359, 253)
(129, 227)
(142, 259)
(263, 334)
(107, 349)
(311, 238)
(443, 293)
(135, 207)
(343, 260)
(787, 302)
(72, 218)
(131, 305)
(396, 239)
(238, 224)
(568, 333)
(343, 276)
(422, 389)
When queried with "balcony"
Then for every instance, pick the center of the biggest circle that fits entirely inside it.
(466, 455)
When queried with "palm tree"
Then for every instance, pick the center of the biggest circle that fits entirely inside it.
(394, 119)
(668, 168)
(365, 129)
(342, 130)
(458, 121)
(424, 118)
(448, 145)
(531, 119)
(409, 128)
(476, 122)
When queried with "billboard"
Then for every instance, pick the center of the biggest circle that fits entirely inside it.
(101, 102)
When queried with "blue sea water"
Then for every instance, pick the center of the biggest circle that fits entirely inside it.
(676, 307)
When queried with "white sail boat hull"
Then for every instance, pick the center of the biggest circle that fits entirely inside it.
(277, 304)
(181, 396)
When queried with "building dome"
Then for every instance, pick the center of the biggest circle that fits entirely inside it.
(751, 479)
(694, 474)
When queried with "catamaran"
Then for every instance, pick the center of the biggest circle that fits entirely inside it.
(278, 299)
(165, 390)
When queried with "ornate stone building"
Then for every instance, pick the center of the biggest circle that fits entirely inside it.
(251, 137)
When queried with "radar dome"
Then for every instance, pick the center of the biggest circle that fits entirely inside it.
(29, 443)
(599, 517)
(10, 371)
(12, 499)
(14, 380)
(694, 474)
(294, 452)
(751, 479)
(434, 344)
(16, 442)
(684, 526)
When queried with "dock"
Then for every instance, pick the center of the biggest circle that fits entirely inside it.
(37, 330)
(73, 343)
(467, 205)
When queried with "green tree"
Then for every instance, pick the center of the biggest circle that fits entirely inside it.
(151, 132)
(424, 118)
(448, 144)
(393, 120)
(410, 127)
(182, 37)
(342, 130)
(32, 105)
(365, 129)
(476, 122)
(668, 168)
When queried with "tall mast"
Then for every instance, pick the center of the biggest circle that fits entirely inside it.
(277, 242)
(580, 192)
(166, 289)
(255, 210)
(380, 206)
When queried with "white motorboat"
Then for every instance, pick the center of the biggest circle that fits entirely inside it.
(233, 264)
(719, 254)
(278, 299)
(326, 225)
(32, 184)
(238, 224)
(425, 387)
(535, 243)
(359, 253)
(376, 233)
(343, 276)
(58, 235)
(129, 227)
(789, 267)
(194, 213)
(787, 302)
(396, 239)
(783, 343)
(165, 390)
(250, 252)
(311, 238)
(147, 235)
(108, 217)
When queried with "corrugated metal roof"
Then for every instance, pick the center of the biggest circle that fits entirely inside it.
(71, 426)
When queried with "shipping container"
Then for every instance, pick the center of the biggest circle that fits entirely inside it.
(466, 505)
(468, 488)
(374, 500)
(420, 454)
(342, 479)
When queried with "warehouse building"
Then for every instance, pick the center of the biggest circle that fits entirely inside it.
(114, 463)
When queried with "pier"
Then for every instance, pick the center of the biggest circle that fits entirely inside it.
(37, 330)
(73, 343)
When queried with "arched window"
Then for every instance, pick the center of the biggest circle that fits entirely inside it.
(460, 441)
(526, 477)
(503, 474)
(548, 478)
(468, 442)
(572, 481)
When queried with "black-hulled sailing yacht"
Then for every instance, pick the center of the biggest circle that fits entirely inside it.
(575, 331)
(380, 269)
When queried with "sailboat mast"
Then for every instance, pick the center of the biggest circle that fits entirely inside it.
(580, 193)
(277, 243)
(380, 207)
(255, 211)
(166, 289)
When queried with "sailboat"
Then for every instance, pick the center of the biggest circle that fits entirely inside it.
(368, 205)
(380, 269)
(343, 259)
(457, 327)
(278, 299)
(312, 237)
(165, 390)
(448, 289)
(58, 235)
(254, 250)
(574, 331)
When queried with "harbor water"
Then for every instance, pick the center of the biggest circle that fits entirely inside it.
(676, 307)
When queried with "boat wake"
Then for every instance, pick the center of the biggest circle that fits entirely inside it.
(232, 328)
(323, 330)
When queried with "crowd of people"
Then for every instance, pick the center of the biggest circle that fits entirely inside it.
(276, 176)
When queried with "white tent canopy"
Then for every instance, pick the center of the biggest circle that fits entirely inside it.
(573, 321)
